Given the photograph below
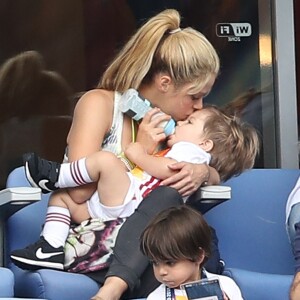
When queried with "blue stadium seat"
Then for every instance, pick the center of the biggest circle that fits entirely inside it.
(6, 283)
(250, 227)
(23, 228)
(252, 237)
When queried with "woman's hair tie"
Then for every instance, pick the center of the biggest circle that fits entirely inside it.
(175, 30)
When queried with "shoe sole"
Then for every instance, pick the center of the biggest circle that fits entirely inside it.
(29, 264)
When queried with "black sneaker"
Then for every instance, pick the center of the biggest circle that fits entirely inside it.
(39, 255)
(40, 172)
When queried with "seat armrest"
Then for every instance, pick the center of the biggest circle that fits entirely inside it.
(13, 199)
(207, 197)
(212, 192)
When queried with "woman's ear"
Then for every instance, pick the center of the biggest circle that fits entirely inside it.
(164, 82)
(207, 145)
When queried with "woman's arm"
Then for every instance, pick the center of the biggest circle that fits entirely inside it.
(190, 177)
(92, 119)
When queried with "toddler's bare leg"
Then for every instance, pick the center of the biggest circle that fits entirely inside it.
(78, 212)
(110, 172)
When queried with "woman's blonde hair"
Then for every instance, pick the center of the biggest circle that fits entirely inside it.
(161, 46)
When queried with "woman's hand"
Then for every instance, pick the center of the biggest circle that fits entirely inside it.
(112, 289)
(150, 133)
(190, 177)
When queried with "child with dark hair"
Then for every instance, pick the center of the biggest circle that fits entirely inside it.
(177, 242)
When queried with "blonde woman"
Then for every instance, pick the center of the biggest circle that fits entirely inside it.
(174, 69)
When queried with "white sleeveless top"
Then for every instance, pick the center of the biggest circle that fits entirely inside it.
(113, 139)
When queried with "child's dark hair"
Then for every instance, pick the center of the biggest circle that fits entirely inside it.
(236, 143)
(177, 233)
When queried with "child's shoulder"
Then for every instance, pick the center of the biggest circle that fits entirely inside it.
(158, 293)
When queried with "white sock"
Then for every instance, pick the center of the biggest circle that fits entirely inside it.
(57, 225)
(73, 174)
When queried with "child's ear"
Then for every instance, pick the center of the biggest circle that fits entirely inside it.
(207, 145)
(201, 256)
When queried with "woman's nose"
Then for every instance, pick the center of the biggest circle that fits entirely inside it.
(198, 104)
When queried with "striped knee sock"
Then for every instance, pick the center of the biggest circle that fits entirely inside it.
(73, 174)
(57, 225)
